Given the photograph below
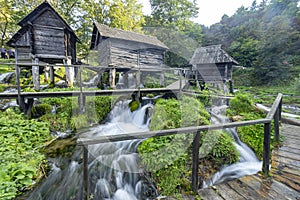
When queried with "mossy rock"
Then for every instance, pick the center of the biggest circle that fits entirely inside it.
(40, 110)
(134, 105)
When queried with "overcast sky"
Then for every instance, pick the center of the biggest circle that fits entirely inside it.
(210, 11)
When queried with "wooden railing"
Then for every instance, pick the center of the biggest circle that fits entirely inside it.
(275, 113)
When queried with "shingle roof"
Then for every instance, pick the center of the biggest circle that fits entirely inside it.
(128, 35)
(211, 54)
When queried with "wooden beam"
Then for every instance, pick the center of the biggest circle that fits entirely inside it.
(185, 130)
(85, 173)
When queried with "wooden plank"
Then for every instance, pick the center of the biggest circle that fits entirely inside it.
(288, 155)
(289, 161)
(209, 194)
(226, 192)
(256, 186)
(243, 190)
(274, 106)
(291, 150)
(281, 188)
(288, 179)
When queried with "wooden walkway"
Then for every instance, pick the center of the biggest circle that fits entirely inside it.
(284, 182)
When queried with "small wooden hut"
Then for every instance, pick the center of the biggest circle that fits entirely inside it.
(45, 36)
(212, 64)
(125, 49)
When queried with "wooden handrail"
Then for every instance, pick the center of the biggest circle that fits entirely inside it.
(275, 113)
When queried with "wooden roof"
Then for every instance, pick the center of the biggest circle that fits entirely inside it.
(211, 55)
(108, 32)
(27, 20)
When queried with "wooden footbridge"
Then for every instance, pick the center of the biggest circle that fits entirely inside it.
(283, 182)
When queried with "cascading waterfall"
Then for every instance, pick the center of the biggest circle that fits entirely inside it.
(114, 170)
(248, 163)
(6, 77)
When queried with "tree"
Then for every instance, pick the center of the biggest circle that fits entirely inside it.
(5, 19)
(170, 21)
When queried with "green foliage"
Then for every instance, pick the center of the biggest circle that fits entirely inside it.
(67, 115)
(21, 160)
(241, 103)
(218, 148)
(253, 136)
(134, 105)
(168, 156)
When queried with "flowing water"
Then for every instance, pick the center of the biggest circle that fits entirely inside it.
(248, 163)
(5, 78)
(114, 170)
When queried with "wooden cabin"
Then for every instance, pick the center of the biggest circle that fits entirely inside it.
(212, 64)
(125, 49)
(44, 36)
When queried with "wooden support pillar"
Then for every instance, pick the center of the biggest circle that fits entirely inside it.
(81, 98)
(28, 106)
(52, 76)
(46, 71)
(138, 78)
(85, 173)
(266, 151)
(36, 75)
(231, 87)
(125, 80)
(70, 72)
(20, 99)
(195, 163)
(112, 78)
(162, 79)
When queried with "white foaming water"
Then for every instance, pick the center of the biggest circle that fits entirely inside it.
(5, 76)
(248, 163)
(114, 170)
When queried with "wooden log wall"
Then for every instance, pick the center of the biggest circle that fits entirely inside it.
(48, 40)
(128, 54)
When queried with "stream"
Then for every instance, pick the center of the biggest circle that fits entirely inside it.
(114, 171)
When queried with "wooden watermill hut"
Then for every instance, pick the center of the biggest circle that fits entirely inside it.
(126, 50)
(45, 37)
(212, 64)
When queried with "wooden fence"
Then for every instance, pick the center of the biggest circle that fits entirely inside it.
(274, 114)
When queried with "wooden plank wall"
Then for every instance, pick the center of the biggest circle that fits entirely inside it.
(128, 54)
(48, 40)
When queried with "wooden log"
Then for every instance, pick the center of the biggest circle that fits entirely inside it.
(52, 75)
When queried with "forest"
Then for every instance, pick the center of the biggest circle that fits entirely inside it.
(264, 37)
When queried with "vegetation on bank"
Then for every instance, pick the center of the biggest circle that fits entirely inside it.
(242, 108)
(23, 138)
(22, 160)
(168, 158)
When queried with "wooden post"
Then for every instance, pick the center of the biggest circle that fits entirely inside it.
(70, 73)
(81, 97)
(276, 126)
(266, 151)
(180, 84)
(46, 71)
(231, 87)
(52, 80)
(138, 78)
(20, 99)
(112, 78)
(85, 173)
(195, 163)
(162, 79)
(36, 75)
(125, 80)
